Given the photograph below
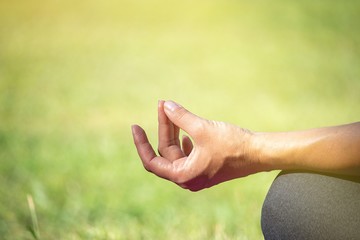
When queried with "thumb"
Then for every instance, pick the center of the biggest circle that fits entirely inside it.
(182, 118)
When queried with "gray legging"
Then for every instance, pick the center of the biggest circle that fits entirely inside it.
(306, 205)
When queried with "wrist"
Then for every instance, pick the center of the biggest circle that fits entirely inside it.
(265, 152)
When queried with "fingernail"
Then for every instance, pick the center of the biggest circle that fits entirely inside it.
(171, 106)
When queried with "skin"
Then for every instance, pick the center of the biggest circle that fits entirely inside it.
(217, 152)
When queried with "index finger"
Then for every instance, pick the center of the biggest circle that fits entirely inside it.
(169, 143)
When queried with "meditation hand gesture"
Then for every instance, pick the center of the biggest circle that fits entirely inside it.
(219, 153)
(222, 151)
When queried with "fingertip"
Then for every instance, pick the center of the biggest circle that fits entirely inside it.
(139, 134)
(162, 118)
(135, 132)
(160, 103)
(181, 117)
(187, 145)
(135, 129)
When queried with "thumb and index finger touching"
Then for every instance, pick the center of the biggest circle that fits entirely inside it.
(180, 117)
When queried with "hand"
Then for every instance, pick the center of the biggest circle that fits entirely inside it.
(220, 151)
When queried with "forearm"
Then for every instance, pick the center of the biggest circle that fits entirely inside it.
(332, 149)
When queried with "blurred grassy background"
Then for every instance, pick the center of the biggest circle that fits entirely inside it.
(74, 75)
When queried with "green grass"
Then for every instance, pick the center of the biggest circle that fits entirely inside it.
(74, 75)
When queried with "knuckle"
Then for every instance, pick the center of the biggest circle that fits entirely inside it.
(147, 166)
(180, 179)
(200, 128)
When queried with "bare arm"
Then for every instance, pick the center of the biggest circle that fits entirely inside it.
(331, 149)
(216, 151)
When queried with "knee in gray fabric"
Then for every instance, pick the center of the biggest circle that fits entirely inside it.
(311, 206)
